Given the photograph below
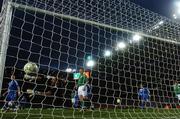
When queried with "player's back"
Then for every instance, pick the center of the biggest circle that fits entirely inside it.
(144, 92)
(12, 86)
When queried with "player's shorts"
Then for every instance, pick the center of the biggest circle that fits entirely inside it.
(11, 97)
(82, 90)
(144, 98)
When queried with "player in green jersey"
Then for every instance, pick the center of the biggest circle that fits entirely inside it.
(176, 88)
(82, 88)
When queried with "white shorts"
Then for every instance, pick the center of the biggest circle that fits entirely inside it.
(82, 90)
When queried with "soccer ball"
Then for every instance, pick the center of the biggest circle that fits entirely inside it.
(118, 100)
(31, 68)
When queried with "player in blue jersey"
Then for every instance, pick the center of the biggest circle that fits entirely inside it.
(13, 89)
(75, 99)
(144, 96)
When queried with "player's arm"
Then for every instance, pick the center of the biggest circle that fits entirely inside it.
(139, 92)
(47, 93)
(30, 78)
(32, 92)
(86, 80)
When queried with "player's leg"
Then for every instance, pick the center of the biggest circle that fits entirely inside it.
(148, 102)
(80, 92)
(90, 103)
(13, 100)
(89, 96)
(7, 99)
(76, 98)
(85, 97)
(141, 102)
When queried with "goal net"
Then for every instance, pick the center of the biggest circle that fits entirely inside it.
(130, 57)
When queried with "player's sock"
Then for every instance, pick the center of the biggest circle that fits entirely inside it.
(142, 105)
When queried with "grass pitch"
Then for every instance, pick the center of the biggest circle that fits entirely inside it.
(96, 114)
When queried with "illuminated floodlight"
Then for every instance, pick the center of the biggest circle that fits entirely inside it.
(177, 9)
(136, 37)
(107, 53)
(121, 45)
(177, 3)
(69, 70)
(90, 63)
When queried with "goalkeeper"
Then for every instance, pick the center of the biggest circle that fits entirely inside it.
(82, 88)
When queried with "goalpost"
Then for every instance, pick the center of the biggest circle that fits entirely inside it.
(127, 46)
(5, 31)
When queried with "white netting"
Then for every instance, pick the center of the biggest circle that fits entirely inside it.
(61, 36)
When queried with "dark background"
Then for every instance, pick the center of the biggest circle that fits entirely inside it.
(163, 7)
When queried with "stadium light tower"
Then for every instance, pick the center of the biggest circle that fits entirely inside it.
(107, 53)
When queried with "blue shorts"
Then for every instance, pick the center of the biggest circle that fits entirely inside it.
(144, 98)
(11, 97)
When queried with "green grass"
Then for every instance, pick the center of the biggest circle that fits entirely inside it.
(96, 114)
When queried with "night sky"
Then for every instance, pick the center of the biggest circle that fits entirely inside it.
(163, 7)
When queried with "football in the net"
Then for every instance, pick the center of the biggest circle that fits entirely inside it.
(31, 68)
(118, 100)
